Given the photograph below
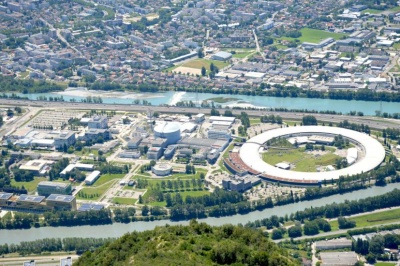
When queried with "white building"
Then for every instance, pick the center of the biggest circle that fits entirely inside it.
(92, 177)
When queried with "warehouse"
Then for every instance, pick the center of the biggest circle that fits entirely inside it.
(221, 56)
(92, 177)
(222, 119)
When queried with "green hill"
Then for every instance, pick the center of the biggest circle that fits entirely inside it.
(195, 244)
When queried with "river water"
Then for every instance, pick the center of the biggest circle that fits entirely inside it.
(171, 98)
(118, 229)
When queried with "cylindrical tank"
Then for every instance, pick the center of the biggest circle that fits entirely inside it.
(168, 130)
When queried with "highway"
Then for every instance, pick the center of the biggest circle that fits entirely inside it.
(372, 122)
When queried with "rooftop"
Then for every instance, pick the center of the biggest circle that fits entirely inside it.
(60, 198)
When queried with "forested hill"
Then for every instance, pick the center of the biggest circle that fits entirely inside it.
(195, 244)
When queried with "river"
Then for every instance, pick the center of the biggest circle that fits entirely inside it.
(118, 229)
(171, 98)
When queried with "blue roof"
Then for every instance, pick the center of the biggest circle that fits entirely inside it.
(61, 198)
(5, 196)
(24, 197)
(91, 207)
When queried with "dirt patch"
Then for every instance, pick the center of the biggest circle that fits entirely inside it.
(187, 70)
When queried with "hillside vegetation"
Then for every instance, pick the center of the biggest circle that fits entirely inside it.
(195, 244)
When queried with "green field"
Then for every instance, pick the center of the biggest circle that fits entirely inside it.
(125, 201)
(192, 193)
(315, 36)
(396, 46)
(385, 264)
(30, 186)
(371, 11)
(372, 219)
(242, 54)
(304, 162)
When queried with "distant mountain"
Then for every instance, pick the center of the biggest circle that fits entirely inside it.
(195, 244)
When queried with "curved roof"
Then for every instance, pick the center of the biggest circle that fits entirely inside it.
(167, 127)
(374, 153)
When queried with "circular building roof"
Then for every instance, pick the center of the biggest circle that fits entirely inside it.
(374, 153)
(167, 127)
(162, 167)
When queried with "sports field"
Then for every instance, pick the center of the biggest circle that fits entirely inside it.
(194, 66)
(315, 36)
(303, 161)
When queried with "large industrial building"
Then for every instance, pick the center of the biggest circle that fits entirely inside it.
(45, 188)
(171, 131)
(61, 202)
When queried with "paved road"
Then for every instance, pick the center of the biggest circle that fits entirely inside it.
(372, 122)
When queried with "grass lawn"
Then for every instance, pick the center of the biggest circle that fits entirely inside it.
(197, 193)
(371, 11)
(30, 186)
(125, 201)
(201, 62)
(304, 162)
(156, 203)
(106, 178)
(396, 46)
(242, 54)
(93, 193)
(315, 36)
(255, 121)
(372, 219)
(395, 9)
(385, 264)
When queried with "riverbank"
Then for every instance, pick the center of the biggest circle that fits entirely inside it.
(118, 229)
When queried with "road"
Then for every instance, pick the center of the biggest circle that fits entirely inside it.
(258, 45)
(372, 122)
(42, 260)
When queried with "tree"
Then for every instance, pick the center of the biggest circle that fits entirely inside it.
(309, 120)
(277, 233)
(376, 244)
(203, 71)
(311, 228)
(345, 223)
(295, 231)
(200, 54)
(145, 210)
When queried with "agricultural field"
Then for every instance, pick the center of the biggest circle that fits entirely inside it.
(303, 161)
(372, 219)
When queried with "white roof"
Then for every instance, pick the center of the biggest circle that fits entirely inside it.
(374, 153)
(92, 176)
(222, 118)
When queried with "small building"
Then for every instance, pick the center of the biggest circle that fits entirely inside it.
(130, 154)
(61, 202)
(199, 118)
(221, 56)
(161, 169)
(92, 177)
(214, 133)
(154, 153)
(321, 139)
(96, 134)
(240, 183)
(185, 153)
(134, 142)
(284, 166)
(169, 152)
(4, 198)
(66, 261)
(45, 188)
